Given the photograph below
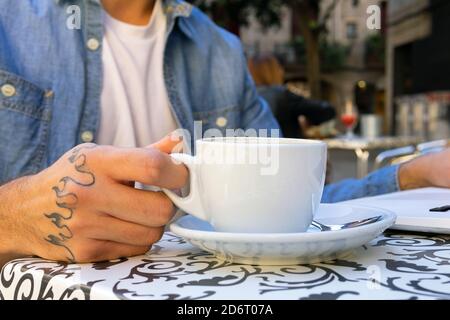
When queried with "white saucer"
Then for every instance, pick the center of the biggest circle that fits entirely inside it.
(288, 248)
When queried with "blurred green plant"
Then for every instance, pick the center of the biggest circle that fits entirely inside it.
(333, 55)
(230, 12)
(375, 46)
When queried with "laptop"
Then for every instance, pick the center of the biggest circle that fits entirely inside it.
(413, 209)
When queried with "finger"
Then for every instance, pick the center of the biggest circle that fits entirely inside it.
(146, 208)
(146, 165)
(100, 250)
(172, 143)
(120, 231)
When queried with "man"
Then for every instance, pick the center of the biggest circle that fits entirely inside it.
(135, 71)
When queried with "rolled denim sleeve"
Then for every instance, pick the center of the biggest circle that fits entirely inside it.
(379, 182)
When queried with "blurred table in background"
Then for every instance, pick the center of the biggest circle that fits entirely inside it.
(363, 146)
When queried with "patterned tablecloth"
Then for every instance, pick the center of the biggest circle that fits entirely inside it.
(393, 266)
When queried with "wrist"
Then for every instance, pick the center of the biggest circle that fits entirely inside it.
(414, 174)
(15, 203)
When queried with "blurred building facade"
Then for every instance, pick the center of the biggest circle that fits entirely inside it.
(418, 63)
(408, 56)
(360, 79)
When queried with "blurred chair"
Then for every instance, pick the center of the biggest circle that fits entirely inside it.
(404, 154)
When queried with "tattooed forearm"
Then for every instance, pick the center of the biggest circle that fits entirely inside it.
(67, 201)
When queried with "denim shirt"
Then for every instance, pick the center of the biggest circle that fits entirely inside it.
(51, 81)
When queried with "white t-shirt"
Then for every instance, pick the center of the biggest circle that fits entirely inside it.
(135, 109)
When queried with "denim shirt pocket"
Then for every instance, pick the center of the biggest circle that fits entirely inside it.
(222, 119)
(25, 113)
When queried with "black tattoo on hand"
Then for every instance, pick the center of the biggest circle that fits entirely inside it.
(67, 201)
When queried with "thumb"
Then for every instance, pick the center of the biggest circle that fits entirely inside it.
(172, 143)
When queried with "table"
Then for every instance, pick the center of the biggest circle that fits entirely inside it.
(362, 147)
(393, 266)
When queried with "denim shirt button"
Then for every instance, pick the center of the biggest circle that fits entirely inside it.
(93, 44)
(8, 90)
(221, 122)
(169, 9)
(87, 136)
(49, 93)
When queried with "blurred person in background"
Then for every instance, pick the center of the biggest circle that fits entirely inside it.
(294, 113)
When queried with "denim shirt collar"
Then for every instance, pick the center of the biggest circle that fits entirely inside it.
(172, 8)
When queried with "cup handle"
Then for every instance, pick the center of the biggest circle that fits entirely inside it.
(192, 203)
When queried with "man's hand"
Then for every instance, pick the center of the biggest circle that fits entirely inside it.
(85, 208)
(432, 170)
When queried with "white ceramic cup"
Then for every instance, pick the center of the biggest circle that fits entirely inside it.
(254, 185)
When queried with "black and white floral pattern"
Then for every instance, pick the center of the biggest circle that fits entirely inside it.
(393, 266)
